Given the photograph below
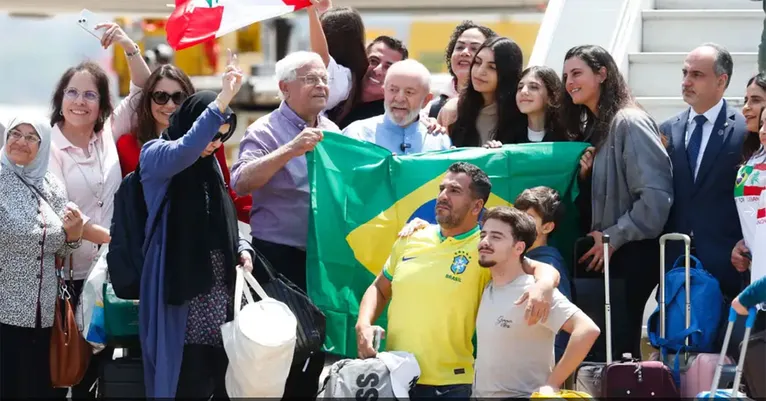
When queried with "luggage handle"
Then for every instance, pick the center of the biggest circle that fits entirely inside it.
(607, 305)
(687, 281)
(749, 323)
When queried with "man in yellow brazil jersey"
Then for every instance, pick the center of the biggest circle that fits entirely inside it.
(434, 283)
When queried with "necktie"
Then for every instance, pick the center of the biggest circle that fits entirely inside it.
(695, 142)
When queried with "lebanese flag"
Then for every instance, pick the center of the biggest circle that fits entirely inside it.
(755, 190)
(196, 21)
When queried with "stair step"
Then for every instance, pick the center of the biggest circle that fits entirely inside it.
(659, 74)
(708, 4)
(683, 30)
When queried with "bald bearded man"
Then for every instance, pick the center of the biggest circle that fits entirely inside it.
(399, 129)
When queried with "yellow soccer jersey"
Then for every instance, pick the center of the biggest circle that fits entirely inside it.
(436, 290)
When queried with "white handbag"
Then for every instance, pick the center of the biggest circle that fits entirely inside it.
(259, 342)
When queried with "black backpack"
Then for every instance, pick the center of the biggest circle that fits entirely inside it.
(125, 259)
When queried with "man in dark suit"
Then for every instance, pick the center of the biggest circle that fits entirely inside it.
(705, 146)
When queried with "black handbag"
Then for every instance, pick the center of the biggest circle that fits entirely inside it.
(311, 330)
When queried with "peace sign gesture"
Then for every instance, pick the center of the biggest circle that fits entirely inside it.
(231, 80)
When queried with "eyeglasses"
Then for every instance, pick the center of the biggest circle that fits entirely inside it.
(162, 97)
(28, 138)
(314, 80)
(88, 96)
(225, 136)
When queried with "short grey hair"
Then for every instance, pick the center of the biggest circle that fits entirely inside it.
(411, 66)
(723, 64)
(286, 70)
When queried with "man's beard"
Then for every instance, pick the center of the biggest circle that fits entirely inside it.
(408, 119)
(453, 219)
(486, 263)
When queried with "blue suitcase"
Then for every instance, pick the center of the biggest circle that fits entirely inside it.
(732, 393)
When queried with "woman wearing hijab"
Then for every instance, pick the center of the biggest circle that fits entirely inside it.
(37, 224)
(189, 270)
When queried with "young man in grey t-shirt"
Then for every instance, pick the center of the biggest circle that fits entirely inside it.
(515, 359)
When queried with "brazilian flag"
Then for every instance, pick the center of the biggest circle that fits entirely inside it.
(362, 195)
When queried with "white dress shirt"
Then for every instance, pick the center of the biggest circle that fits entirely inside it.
(707, 129)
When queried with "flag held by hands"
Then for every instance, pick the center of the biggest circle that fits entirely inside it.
(196, 21)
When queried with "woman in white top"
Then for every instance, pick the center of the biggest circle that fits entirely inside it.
(538, 96)
(751, 182)
(84, 156)
(337, 35)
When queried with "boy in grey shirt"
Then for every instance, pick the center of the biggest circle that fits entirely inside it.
(514, 359)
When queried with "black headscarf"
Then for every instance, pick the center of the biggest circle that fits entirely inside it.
(202, 216)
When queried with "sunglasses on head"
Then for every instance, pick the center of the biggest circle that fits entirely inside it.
(162, 97)
(225, 136)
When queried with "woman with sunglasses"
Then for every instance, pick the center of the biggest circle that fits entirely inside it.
(83, 157)
(189, 270)
(168, 87)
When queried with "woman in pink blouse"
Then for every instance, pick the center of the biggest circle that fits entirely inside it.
(84, 156)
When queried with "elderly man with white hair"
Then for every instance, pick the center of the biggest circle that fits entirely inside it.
(400, 129)
(272, 168)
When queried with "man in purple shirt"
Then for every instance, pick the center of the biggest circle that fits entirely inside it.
(272, 167)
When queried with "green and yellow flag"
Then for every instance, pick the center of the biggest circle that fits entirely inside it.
(362, 195)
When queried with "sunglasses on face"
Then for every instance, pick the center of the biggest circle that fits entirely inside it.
(162, 97)
(88, 96)
(225, 136)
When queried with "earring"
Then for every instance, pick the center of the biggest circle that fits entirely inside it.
(61, 112)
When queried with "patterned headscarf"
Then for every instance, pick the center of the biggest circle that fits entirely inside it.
(34, 172)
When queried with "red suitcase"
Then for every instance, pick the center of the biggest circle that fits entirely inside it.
(628, 378)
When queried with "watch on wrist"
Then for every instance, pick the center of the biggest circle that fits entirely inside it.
(136, 51)
(74, 244)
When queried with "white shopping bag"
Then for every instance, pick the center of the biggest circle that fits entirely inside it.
(89, 314)
(259, 342)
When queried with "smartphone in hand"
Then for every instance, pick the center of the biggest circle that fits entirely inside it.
(88, 21)
(748, 255)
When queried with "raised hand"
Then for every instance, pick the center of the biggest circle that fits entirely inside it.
(114, 34)
(321, 5)
(231, 80)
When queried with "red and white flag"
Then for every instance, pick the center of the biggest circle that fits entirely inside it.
(196, 21)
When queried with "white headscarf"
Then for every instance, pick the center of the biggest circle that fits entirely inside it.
(34, 172)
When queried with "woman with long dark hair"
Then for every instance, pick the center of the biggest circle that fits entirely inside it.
(188, 274)
(751, 178)
(337, 35)
(632, 182)
(150, 110)
(539, 98)
(465, 41)
(487, 109)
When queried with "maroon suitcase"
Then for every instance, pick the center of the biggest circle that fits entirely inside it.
(628, 378)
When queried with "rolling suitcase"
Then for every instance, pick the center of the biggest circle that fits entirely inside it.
(754, 370)
(733, 392)
(694, 372)
(588, 294)
(628, 378)
(122, 378)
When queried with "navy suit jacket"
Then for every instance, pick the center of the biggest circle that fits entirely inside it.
(706, 206)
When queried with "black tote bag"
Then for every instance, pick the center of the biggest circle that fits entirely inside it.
(311, 330)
